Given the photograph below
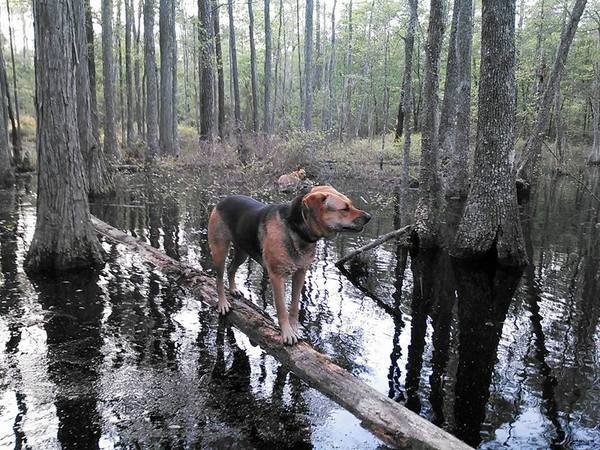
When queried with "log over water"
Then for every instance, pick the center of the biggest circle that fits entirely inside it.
(391, 422)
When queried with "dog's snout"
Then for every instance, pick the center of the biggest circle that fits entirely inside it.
(366, 216)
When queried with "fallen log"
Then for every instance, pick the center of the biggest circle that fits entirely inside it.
(391, 422)
(380, 240)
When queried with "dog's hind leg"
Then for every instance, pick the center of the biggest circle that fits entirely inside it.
(297, 285)
(219, 239)
(239, 256)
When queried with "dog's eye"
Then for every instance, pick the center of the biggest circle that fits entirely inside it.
(347, 208)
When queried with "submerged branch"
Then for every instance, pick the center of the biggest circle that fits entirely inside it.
(380, 240)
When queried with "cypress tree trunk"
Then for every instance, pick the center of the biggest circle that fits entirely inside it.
(96, 168)
(16, 132)
(308, 65)
(111, 147)
(89, 28)
(166, 23)
(234, 67)
(253, 69)
(136, 74)
(220, 76)
(151, 81)
(7, 171)
(268, 50)
(206, 71)
(174, 120)
(490, 225)
(64, 237)
(528, 164)
(128, 71)
(406, 106)
(427, 211)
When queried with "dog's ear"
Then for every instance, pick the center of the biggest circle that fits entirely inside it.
(314, 201)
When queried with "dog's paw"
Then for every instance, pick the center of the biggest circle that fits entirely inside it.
(289, 336)
(235, 292)
(223, 307)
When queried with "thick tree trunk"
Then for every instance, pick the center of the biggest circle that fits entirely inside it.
(308, 65)
(137, 73)
(267, 128)
(151, 81)
(490, 225)
(406, 106)
(234, 68)
(64, 237)
(89, 28)
(111, 147)
(253, 79)
(528, 164)
(427, 212)
(391, 422)
(7, 170)
(167, 95)
(220, 76)
(96, 168)
(206, 71)
(594, 158)
(128, 71)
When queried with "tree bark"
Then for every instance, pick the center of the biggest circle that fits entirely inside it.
(206, 71)
(527, 171)
(428, 205)
(490, 225)
(7, 170)
(331, 73)
(136, 73)
(594, 158)
(167, 94)
(406, 106)
(308, 65)
(220, 76)
(234, 68)
(128, 71)
(267, 128)
(64, 237)
(111, 147)
(89, 28)
(253, 68)
(98, 177)
(151, 81)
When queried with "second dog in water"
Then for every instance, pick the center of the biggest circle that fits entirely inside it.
(282, 238)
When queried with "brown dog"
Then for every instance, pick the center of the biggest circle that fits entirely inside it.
(292, 180)
(280, 237)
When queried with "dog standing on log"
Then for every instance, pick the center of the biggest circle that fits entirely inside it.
(282, 238)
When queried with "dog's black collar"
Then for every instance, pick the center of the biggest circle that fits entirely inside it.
(298, 221)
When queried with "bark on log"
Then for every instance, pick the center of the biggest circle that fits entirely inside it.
(394, 424)
(380, 240)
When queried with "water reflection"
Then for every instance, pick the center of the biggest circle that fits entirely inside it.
(127, 358)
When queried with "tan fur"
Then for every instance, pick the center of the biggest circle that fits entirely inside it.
(291, 180)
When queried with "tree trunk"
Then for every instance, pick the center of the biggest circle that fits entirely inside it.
(220, 76)
(308, 65)
(253, 68)
(16, 133)
(300, 80)
(7, 171)
(174, 120)
(406, 106)
(267, 128)
(454, 155)
(594, 158)
(167, 100)
(318, 58)
(490, 225)
(234, 67)
(96, 168)
(120, 75)
(277, 92)
(136, 73)
(64, 237)
(427, 211)
(89, 28)
(206, 71)
(151, 81)
(128, 71)
(111, 147)
(346, 103)
(528, 164)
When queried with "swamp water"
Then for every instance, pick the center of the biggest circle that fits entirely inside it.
(125, 357)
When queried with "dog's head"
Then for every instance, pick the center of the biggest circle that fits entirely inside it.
(332, 212)
(299, 173)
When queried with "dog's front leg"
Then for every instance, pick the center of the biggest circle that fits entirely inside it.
(297, 285)
(288, 335)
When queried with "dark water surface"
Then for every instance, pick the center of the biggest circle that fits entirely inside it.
(127, 358)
